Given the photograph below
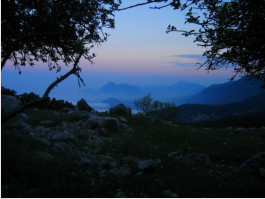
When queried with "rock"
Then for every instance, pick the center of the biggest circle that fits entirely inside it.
(60, 136)
(130, 159)
(83, 106)
(262, 172)
(253, 164)
(85, 133)
(8, 104)
(113, 164)
(122, 119)
(142, 165)
(107, 122)
(166, 193)
(174, 154)
(46, 122)
(156, 162)
(173, 195)
(85, 161)
(241, 131)
(113, 173)
(22, 116)
(103, 163)
(20, 125)
(97, 150)
(124, 126)
(123, 172)
(102, 131)
(130, 130)
(45, 141)
(197, 159)
(93, 111)
(82, 117)
(65, 109)
(121, 109)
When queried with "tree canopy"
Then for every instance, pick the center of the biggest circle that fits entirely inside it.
(53, 30)
(232, 33)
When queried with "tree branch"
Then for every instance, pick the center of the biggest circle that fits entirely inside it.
(22, 108)
(6, 57)
(139, 4)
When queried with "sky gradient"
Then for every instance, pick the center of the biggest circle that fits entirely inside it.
(138, 52)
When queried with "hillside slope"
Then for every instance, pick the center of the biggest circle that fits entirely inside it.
(226, 93)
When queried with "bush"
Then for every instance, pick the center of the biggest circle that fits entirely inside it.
(162, 110)
(6, 91)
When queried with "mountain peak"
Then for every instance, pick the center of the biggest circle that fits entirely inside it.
(110, 83)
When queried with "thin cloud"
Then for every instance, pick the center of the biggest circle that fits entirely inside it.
(199, 57)
(184, 64)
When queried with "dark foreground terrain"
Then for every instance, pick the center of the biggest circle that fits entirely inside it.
(136, 162)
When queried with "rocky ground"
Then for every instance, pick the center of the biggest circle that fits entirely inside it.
(123, 155)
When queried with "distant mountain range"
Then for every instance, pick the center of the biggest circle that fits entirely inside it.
(235, 91)
(197, 113)
(130, 92)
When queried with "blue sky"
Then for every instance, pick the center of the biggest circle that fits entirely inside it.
(138, 52)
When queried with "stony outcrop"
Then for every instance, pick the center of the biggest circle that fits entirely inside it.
(197, 159)
(254, 164)
(9, 103)
(241, 131)
(94, 122)
(83, 106)
(121, 109)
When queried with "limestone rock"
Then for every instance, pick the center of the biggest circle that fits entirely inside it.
(130, 159)
(20, 125)
(241, 131)
(9, 103)
(22, 116)
(122, 119)
(107, 122)
(60, 136)
(197, 159)
(85, 161)
(142, 165)
(82, 117)
(121, 109)
(130, 130)
(174, 154)
(124, 126)
(83, 106)
(253, 164)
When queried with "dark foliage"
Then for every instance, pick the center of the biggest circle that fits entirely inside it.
(6, 91)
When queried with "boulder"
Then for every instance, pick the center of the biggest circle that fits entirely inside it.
(145, 164)
(22, 116)
(174, 154)
(9, 103)
(83, 106)
(94, 122)
(82, 117)
(124, 126)
(121, 109)
(20, 125)
(197, 159)
(60, 136)
(241, 131)
(253, 164)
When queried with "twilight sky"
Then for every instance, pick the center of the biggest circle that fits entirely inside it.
(138, 52)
